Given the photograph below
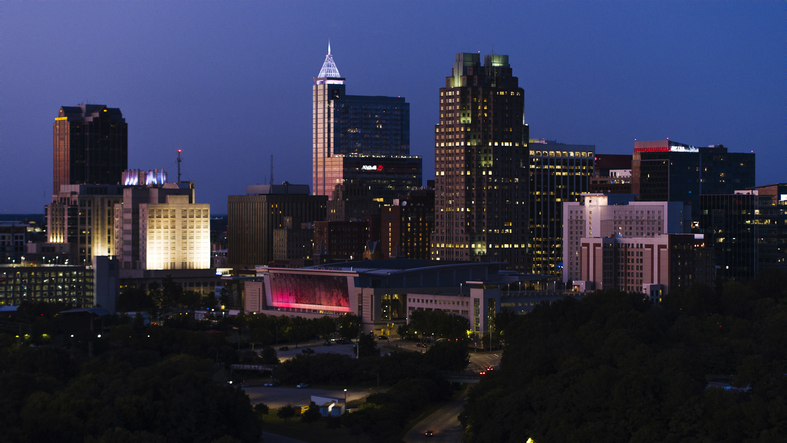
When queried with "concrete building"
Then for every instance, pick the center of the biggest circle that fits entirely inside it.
(161, 227)
(407, 226)
(90, 146)
(253, 217)
(80, 286)
(83, 217)
(559, 173)
(346, 126)
(352, 201)
(481, 164)
(608, 215)
(341, 240)
(651, 265)
(13, 241)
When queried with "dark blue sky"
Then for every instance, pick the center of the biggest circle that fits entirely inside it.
(230, 82)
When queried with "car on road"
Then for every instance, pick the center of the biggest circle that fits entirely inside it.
(302, 385)
(421, 345)
(327, 343)
(271, 384)
(235, 382)
(382, 337)
(284, 348)
(308, 351)
(428, 433)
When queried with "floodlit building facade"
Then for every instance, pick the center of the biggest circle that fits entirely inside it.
(481, 164)
(160, 227)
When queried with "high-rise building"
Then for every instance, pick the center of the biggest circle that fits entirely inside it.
(559, 173)
(90, 146)
(481, 164)
(407, 225)
(353, 125)
(599, 215)
(729, 223)
(664, 170)
(83, 217)
(772, 225)
(252, 219)
(161, 227)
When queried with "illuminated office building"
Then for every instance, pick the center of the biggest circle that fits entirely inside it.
(559, 173)
(348, 126)
(90, 146)
(481, 164)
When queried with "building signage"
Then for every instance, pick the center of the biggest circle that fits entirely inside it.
(371, 167)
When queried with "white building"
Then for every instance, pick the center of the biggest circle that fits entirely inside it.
(159, 227)
(607, 215)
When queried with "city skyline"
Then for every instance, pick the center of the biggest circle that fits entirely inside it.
(229, 83)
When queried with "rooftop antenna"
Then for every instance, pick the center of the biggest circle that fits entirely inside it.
(271, 168)
(179, 160)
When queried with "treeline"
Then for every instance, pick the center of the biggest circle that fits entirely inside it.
(706, 365)
(129, 394)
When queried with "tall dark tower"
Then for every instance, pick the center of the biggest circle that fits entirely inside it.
(481, 164)
(90, 146)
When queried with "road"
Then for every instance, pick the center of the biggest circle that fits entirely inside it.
(444, 423)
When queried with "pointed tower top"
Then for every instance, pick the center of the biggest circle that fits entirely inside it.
(329, 69)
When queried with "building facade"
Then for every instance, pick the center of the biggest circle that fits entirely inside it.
(609, 215)
(83, 217)
(665, 261)
(90, 146)
(253, 217)
(407, 226)
(351, 125)
(729, 223)
(481, 164)
(160, 227)
(664, 170)
(559, 173)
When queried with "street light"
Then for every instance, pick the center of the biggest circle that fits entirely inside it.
(345, 398)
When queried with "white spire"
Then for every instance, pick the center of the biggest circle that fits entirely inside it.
(329, 69)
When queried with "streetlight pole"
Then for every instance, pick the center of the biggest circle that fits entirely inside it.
(345, 399)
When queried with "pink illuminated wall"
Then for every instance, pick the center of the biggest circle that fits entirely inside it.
(309, 291)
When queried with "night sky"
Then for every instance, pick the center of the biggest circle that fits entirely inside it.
(229, 82)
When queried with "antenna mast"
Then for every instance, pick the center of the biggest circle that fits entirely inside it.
(271, 168)
(179, 151)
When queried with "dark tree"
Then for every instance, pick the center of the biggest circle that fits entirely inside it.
(312, 414)
(286, 412)
(367, 346)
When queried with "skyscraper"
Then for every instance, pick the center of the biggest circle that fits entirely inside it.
(558, 173)
(481, 164)
(366, 129)
(664, 170)
(90, 146)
